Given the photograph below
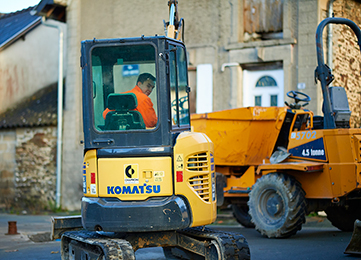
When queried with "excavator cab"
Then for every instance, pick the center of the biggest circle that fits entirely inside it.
(112, 73)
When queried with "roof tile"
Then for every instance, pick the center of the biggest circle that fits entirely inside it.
(15, 25)
(40, 109)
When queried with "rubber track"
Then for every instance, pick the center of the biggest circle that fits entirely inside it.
(113, 248)
(233, 245)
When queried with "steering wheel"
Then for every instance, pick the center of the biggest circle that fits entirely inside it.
(183, 110)
(298, 97)
(294, 94)
(181, 100)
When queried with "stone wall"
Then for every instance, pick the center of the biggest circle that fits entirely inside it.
(347, 57)
(35, 175)
(28, 168)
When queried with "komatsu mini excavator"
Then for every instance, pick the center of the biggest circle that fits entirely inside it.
(144, 185)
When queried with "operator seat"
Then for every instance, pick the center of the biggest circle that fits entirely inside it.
(122, 115)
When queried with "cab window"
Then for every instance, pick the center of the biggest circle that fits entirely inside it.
(179, 86)
(124, 88)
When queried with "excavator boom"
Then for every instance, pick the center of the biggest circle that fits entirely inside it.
(175, 27)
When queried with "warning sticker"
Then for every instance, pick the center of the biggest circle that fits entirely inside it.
(179, 162)
(93, 189)
(158, 176)
(158, 173)
(179, 157)
(131, 174)
(179, 166)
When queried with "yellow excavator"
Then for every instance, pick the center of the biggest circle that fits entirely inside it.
(144, 185)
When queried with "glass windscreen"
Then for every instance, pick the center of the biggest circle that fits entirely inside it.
(179, 86)
(124, 87)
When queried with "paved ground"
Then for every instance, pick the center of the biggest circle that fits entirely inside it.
(38, 227)
(20, 246)
(317, 240)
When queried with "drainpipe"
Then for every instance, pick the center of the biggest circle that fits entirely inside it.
(230, 64)
(329, 35)
(234, 91)
(60, 112)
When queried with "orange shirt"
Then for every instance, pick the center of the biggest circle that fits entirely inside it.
(145, 107)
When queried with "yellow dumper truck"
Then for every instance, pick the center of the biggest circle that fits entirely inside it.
(280, 163)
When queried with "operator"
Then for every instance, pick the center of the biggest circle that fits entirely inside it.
(145, 86)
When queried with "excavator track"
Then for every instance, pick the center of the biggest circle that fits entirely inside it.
(93, 246)
(232, 245)
(199, 242)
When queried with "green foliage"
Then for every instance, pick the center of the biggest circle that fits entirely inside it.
(54, 208)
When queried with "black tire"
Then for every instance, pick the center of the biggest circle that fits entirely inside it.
(343, 218)
(277, 205)
(240, 213)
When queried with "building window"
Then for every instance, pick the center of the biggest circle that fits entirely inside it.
(266, 81)
(263, 88)
(274, 101)
(258, 100)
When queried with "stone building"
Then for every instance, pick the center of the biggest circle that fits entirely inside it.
(28, 152)
(231, 46)
(346, 57)
(28, 111)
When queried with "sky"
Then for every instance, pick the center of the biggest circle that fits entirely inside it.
(9, 6)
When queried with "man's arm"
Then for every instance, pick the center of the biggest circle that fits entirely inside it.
(146, 109)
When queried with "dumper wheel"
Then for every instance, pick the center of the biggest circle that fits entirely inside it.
(343, 218)
(240, 213)
(277, 205)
